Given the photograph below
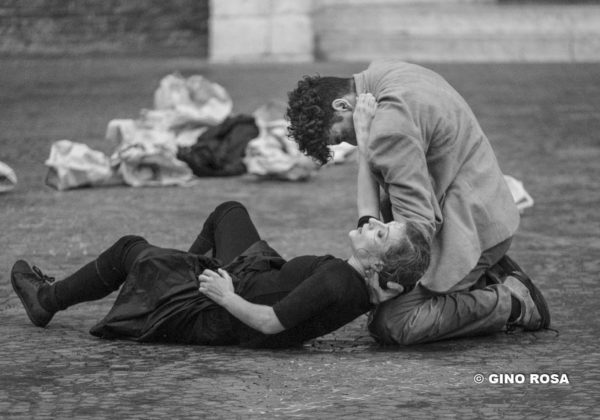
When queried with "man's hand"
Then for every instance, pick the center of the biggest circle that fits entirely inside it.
(216, 285)
(376, 294)
(364, 112)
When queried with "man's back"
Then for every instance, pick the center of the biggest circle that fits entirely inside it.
(431, 156)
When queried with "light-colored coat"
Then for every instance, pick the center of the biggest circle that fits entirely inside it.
(431, 157)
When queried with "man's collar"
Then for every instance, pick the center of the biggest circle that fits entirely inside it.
(352, 85)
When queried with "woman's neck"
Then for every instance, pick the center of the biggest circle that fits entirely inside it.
(354, 263)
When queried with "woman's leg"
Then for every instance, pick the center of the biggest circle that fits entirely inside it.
(228, 231)
(96, 279)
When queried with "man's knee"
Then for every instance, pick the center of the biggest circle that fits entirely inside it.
(394, 332)
(392, 325)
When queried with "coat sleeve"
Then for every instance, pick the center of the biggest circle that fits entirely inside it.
(310, 298)
(397, 156)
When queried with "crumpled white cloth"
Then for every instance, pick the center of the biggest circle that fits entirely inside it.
(150, 165)
(146, 156)
(273, 154)
(8, 178)
(522, 198)
(74, 165)
(183, 109)
(193, 100)
(145, 151)
(146, 148)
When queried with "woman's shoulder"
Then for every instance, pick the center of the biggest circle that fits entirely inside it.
(328, 261)
(335, 269)
(318, 264)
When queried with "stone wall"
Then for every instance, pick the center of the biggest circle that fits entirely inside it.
(116, 26)
(420, 30)
(305, 30)
(454, 30)
(255, 30)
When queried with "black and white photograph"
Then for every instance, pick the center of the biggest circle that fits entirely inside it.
(321, 209)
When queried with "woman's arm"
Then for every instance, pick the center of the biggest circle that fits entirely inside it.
(367, 201)
(219, 288)
(367, 195)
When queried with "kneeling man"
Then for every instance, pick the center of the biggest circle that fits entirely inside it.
(420, 143)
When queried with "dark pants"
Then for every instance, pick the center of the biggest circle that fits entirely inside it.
(421, 316)
(227, 232)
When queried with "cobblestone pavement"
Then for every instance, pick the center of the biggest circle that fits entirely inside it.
(543, 121)
(62, 372)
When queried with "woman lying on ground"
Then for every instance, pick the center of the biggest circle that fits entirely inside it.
(244, 294)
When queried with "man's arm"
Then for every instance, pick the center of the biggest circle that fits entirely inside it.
(403, 167)
(219, 287)
(398, 153)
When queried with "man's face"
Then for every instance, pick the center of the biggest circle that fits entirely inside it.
(342, 129)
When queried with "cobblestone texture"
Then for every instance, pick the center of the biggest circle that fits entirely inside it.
(543, 121)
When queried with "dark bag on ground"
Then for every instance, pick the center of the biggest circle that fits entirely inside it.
(220, 150)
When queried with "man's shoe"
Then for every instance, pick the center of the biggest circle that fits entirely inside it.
(26, 282)
(498, 272)
(535, 314)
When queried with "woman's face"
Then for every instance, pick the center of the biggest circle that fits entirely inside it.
(375, 238)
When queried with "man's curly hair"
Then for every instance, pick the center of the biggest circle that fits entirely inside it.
(311, 115)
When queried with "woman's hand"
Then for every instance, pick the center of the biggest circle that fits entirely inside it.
(219, 287)
(378, 295)
(364, 111)
(216, 285)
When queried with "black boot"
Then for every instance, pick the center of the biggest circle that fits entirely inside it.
(27, 282)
